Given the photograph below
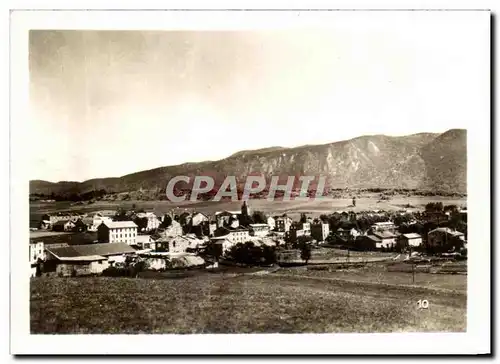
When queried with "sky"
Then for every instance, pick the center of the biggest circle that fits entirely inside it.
(109, 103)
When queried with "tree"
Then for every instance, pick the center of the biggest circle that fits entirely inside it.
(259, 217)
(303, 217)
(323, 218)
(434, 207)
(305, 252)
(167, 221)
(142, 223)
(121, 215)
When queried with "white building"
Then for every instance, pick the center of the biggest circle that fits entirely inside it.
(283, 223)
(117, 232)
(386, 239)
(384, 226)
(173, 230)
(153, 221)
(411, 239)
(36, 251)
(144, 241)
(98, 219)
(198, 218)
(271, 222)
(259, 230)
(180, 244)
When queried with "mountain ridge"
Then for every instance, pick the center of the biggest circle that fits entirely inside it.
(416, 161)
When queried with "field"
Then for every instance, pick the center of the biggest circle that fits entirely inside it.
(225, 303)
(49, 237)
(293, 208)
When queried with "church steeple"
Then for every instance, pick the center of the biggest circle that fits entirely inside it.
(245, 210)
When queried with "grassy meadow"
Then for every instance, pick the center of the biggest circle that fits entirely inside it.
(220, 303)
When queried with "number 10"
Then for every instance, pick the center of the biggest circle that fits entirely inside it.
(423, 304)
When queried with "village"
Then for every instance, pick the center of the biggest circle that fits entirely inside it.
(193, 239)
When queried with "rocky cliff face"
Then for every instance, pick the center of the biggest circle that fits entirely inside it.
(419, 161)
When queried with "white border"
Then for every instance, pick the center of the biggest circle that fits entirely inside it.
(477, 338)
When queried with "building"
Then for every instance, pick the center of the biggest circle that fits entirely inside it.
(259, 230)
(209, 228)
(180, 244)
(144, 242)
(99, 218)
(384, 226)
(63, 225)
(117, 232)
(283, 223)
(411, 239)
(271, 222)
(463, 214)
(222, 245)
(442, 236)
(37, 254)
(81, 266)
(173, 230)
(88, 221)
(227, 218)
(153, 222)
(294, 234)
(306, 226)
(44, 225)
(369, 242)
(80, 226)
(88, 259)
(342, 233)
(234, 235)
(53, 218)
(112, 252)
(198, 219)
(387, 239)
(320, 231)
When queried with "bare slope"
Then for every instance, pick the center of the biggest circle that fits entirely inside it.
(419, 161)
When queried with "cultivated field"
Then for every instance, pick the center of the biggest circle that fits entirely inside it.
(225, 303)
(293, 208)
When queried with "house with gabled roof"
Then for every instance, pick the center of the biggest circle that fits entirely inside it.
(387, 239)
(410, 239)
(88, 259)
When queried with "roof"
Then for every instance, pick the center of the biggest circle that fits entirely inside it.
(145, 214)
(61, 222)
(120, 224)
(374, 238)
(143, 239)
(384, 235)
(258, 225)
(383, 223)
(84, 258)
(108, 213)
(412, 236)
(200, 213)
(225, 237)
(104, 249)
(88, 220)
(447, 231)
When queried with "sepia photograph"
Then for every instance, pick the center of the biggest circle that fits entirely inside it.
(255, 173)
